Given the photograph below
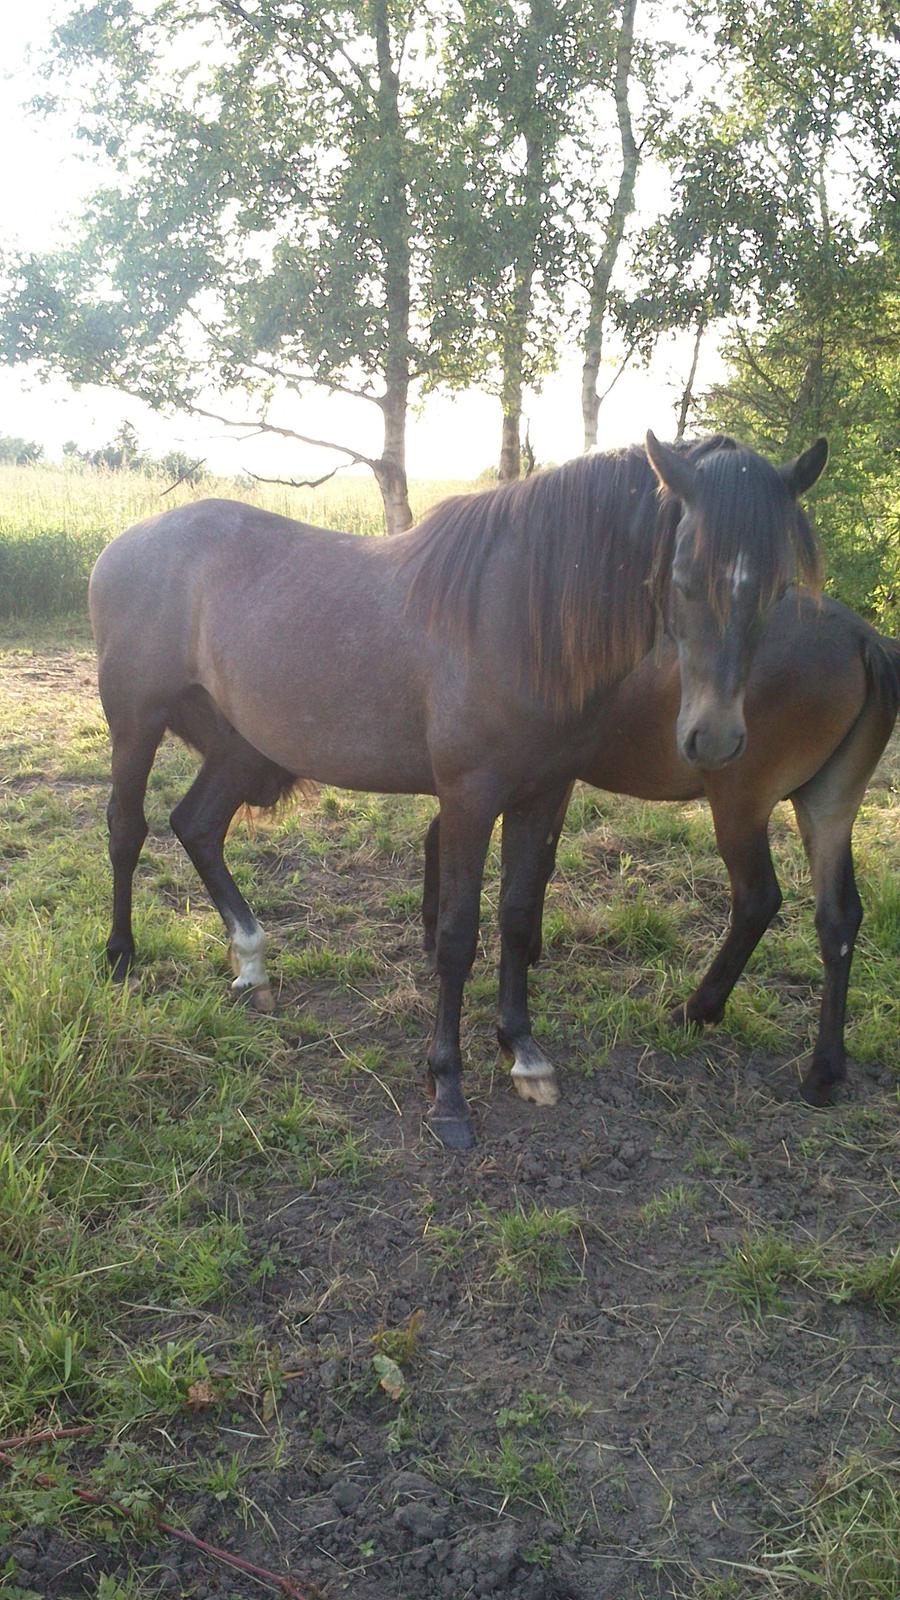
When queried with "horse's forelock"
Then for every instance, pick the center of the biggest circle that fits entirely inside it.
(745, 510)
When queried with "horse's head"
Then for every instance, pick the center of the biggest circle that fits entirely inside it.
(740, 539)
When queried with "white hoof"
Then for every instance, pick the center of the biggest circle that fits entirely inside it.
(533, 1075)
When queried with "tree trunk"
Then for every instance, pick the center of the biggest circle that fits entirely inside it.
(510, 446)
(394, 230)
(687, 397)
(390, 471)
(516, 330)
(622, 207)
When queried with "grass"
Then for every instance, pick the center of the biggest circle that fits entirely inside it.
(846, 1544)
(520, 1475)
(144, 1133)
(755, 1271)
(54, 521)
(531, 1247)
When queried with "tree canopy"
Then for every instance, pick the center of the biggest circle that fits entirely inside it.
(378, 200)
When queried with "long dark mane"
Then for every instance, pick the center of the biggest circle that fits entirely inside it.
(591, 539)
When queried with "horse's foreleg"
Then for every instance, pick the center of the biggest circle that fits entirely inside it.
(431, 885)
(530, 836)
(201, 821)
(838, 917)
(755, 900)
(467, 820)
(431, 888)
(132, 757)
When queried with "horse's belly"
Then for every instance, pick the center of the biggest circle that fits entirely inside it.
(378, 744)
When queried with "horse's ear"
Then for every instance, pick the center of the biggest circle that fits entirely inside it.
(801, 473)
(673, 470)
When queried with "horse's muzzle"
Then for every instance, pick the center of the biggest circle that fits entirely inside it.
(713, 745)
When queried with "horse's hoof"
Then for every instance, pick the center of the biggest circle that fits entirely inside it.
(532, 1074)
(454, 1133)
(120, 965)
(816, 1092)
(679, 1017)
(255, 996)
(541, 1089)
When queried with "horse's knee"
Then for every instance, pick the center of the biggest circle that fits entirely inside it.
(456, 949)
(758, 907)
(127, 832)
(837, 928)
(517, 926)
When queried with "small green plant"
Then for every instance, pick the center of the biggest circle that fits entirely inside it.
(531, 1246)
(848, 1544)
(668, 1203)
(754, 1271)
(401, 1344)
(521, 1476)
(223, 1478)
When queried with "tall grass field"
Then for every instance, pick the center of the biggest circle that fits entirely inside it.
(54, 521)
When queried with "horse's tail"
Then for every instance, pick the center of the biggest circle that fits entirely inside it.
(881, 658)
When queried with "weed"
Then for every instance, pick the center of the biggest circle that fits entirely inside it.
(668, 1203)
(401, 1344)
(529, 1247)
(846, 1545)
(521, 1476)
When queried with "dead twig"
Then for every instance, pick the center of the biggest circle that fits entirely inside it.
(23, 1440)
(299, 483)
(284, 1584)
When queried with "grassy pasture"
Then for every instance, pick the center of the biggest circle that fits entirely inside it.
(54, 521)
(648, 1340)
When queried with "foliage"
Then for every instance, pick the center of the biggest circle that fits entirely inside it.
(264, 228)
(19, 452)
(124, 454)
(785, 223)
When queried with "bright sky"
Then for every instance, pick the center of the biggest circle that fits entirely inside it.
(43, 179)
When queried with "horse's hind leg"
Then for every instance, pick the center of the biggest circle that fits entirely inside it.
(431, 886)
(826, 809)
(134, 746)
(530, 835)
(227, 780)
(755, 899)
(467, 817)
(838, 918)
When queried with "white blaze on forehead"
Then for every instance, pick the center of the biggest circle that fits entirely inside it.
(740, 573)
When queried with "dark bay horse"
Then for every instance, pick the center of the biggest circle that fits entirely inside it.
(467, 658)
(821, 701)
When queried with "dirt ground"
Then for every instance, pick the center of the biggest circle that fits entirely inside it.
(604, 1394)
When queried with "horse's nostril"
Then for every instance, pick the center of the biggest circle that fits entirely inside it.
(690, 748)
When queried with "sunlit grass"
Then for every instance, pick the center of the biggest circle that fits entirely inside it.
(55, 520)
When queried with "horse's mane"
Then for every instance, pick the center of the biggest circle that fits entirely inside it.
(593, 542)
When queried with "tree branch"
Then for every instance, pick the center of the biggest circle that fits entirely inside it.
(311, 377)
(299, 483)
(258, 427)
(294, 47)
(618, 373)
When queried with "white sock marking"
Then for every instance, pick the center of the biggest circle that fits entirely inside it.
(248, 947)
